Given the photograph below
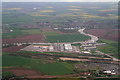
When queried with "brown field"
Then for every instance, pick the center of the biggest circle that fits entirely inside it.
(12, 49)
(29, 73)
(114, 37)
(50, 76)
(109, 34)
(27, 38)
(23, 72)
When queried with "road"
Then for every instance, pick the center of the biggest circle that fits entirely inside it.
(93, 38)
(113, 58)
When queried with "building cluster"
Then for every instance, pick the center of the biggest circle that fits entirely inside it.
(51, 47)
(91, 46)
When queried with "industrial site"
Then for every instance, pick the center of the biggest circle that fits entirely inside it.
(83, 47)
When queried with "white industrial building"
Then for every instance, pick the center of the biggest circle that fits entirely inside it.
(51, 48)
(68, 47)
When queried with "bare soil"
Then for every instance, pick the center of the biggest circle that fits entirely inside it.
(12, 49)
(24, 72)
(27, 38)
(109, 34)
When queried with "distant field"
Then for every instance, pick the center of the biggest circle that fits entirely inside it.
(31, 31)
(20, 35)
(26, 39)
(20, 32)
(108, 34)
(55, 37)
(35, 35)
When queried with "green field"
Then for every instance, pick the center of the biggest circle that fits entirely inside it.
(112, 47)
(18, 61)
(20, 32)
(31, 31)
(58, 68)
(56, 37)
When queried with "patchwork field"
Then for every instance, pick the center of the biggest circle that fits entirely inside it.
(16, 32)
(60, 68)
(49, 22)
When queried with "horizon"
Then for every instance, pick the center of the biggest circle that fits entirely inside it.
(61, 1)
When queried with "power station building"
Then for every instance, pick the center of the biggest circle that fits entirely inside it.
(68, 47)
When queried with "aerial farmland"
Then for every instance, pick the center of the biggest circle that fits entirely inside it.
(60, 40)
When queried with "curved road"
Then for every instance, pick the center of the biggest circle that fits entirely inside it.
(93, 38)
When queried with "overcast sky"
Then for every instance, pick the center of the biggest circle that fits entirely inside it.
(60, 0)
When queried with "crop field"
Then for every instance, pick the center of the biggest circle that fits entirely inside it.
(31, 31)
(22, 72)
(12, 49)
(111, 48)
(55, 68)
(60, 68)
(55, 37)
(15, 61)
(29, 14)
(20, 32)
(25, 39)
(108, 34)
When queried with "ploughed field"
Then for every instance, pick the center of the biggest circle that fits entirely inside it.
(23, 71)
(13, 49)
(108, 34)
(25, 39)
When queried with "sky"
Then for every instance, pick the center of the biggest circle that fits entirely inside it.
(60, 0)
